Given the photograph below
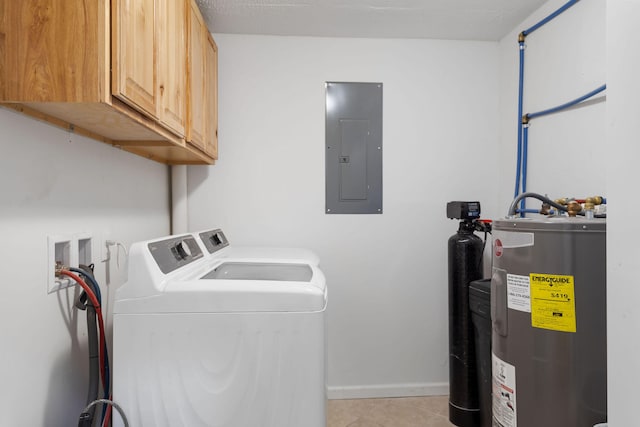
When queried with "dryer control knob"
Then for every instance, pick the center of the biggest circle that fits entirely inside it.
(182, 249)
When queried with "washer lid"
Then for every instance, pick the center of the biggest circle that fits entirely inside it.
(261, 271)
(215, 244)
(240, 287)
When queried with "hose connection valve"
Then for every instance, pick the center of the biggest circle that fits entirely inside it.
(59, 268)
(590, 206)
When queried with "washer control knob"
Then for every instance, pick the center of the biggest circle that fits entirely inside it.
(182, 249)
(215, 239)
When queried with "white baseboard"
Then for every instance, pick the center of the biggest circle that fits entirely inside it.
(388, 390)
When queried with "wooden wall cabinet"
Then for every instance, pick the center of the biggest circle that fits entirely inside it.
(202, 86)
(196, 78)
(115, 71)
(172, 65)
(135, 53)
(211, 102)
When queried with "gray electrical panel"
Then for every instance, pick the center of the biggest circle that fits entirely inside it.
(353, 163)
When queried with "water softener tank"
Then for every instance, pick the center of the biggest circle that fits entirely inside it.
(465, 265)
(548, 292)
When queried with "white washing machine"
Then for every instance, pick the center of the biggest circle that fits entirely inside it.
(226, 342)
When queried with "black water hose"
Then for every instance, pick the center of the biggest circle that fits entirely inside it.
(95, 287)
(86, 418)
(514, 204)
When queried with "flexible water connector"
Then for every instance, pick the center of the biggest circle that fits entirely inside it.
(514, 204)
(566, 104)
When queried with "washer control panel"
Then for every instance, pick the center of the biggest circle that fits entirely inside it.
(181, 250)
(174, 253)
(214, 240)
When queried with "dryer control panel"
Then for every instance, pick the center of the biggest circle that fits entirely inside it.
(214, 240)
(172, 254)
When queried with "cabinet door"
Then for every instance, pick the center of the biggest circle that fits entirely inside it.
(134, 52)
(172, 55)
(197, 84)
(211, 101)
(52, 51)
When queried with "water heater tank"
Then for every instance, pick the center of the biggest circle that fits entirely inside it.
(549, 322)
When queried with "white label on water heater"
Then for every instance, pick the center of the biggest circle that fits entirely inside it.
(504, 393)
(512, 239)
(518, 293)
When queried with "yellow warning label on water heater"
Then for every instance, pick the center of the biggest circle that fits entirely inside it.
(552, 302)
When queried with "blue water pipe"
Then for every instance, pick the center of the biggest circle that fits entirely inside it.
(520, 99)
(525, 130)
(521, 163)
(521, 47)
(567, 104)
(525, 151)
(521, 210)
(553, 15)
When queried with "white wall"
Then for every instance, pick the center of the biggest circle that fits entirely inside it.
(387, 274)
(564, 59)
(623, 152)
(57, 183)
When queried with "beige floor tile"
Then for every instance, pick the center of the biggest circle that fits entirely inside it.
(432, 411)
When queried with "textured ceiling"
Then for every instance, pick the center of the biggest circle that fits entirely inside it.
(434, 19)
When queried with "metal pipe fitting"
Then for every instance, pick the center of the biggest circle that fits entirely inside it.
(574, 208)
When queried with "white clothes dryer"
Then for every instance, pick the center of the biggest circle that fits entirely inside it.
(226, 342)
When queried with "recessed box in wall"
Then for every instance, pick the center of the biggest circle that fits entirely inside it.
(68, 251)
(59, 251)
(353, 163)
(84, 248)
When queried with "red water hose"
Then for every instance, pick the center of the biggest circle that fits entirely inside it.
(108, 414)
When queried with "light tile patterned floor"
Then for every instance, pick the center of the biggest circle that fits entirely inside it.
(432, 411)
